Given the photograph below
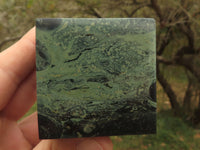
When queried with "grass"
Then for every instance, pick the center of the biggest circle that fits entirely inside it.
(172, 134)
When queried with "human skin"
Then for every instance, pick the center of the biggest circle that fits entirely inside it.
(18, 94)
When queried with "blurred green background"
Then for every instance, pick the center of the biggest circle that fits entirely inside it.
(178, 58)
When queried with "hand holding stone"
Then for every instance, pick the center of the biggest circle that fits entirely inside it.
(18, 94)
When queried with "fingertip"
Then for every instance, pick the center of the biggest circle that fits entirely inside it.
(105, 142)
(30, 35)
(29, 128)
(95, 143)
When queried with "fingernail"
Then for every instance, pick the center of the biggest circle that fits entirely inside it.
(89, 145)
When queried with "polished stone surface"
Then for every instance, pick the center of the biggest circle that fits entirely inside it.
(95, 77)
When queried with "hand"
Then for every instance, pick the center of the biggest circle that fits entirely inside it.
(18, 94)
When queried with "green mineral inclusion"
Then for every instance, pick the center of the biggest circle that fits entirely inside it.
(93, 60)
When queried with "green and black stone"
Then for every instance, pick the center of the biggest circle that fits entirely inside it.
(95, 77)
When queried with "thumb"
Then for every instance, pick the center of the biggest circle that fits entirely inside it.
(97, 143)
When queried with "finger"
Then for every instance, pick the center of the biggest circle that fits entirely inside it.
(11, 137)
(29, 128)
(62, 144)
(16, 63)
(23, 99)
(98, 143)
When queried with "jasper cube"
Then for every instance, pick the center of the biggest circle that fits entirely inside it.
(95, 77)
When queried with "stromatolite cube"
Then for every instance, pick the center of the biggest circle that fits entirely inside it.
(95, 77)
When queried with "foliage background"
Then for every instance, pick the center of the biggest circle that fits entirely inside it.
(178, 58)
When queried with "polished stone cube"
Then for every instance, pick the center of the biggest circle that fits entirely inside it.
(95, 77)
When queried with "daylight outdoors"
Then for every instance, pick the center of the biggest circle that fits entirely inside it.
(178, 58)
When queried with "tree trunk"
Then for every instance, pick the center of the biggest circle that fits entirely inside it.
(168, 90)
(187, 97)
(196, 119)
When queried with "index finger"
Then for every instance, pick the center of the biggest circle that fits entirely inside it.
(16, 63)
